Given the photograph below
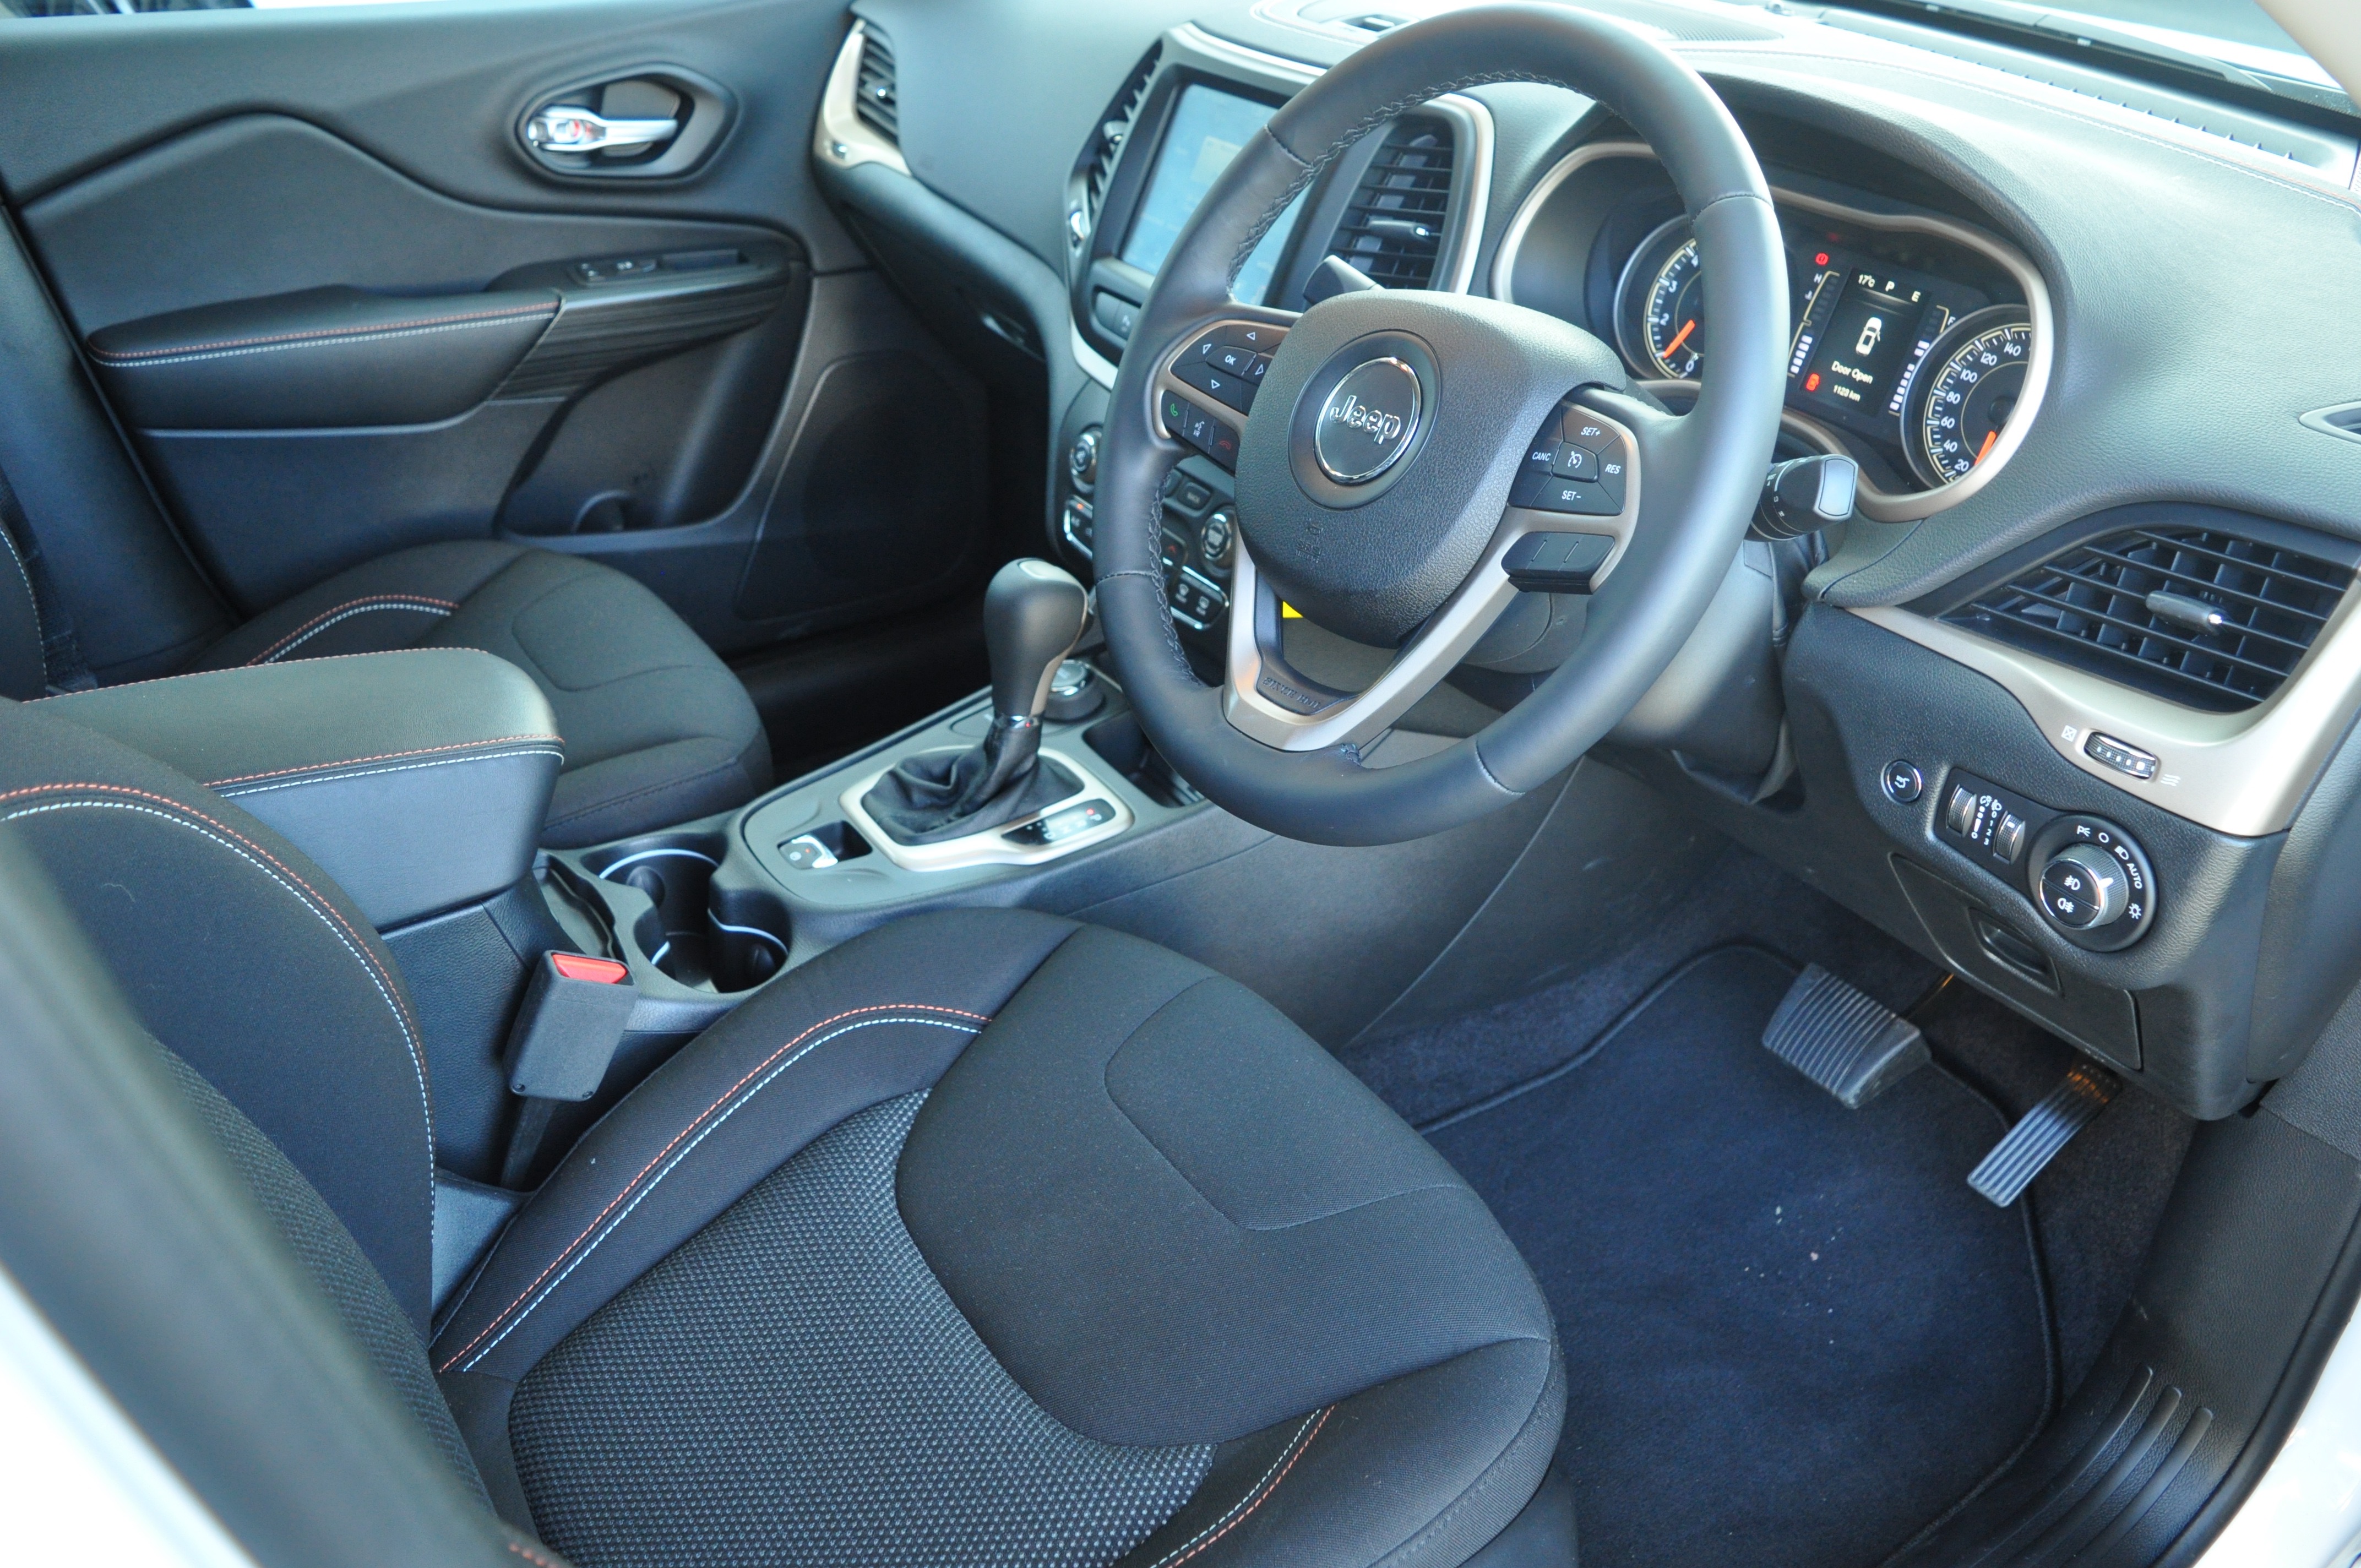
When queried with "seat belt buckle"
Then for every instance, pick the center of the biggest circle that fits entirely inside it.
(574, 1016)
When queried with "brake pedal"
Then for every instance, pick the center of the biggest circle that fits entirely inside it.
(1842, 1038)
(2035, 1141)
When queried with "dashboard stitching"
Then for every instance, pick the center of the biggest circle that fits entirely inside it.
(2327, 199)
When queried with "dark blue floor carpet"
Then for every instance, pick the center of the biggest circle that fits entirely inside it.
(1793, 1334)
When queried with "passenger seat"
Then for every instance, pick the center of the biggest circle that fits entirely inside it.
(657, 730)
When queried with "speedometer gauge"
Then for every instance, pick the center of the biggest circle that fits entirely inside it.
(1964, 391)
(1660, 304)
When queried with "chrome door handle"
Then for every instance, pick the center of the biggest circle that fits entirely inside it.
(560, 129)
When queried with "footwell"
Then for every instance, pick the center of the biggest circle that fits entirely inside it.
(1793, 1334)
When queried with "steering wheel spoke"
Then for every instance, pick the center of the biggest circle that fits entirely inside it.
(1206, 384)
(1572, 514)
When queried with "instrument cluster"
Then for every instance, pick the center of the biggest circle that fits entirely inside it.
(1893, 339)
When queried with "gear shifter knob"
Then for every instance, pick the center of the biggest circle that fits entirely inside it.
(1033, 613)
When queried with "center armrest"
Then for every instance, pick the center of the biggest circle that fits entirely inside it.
(417, 780)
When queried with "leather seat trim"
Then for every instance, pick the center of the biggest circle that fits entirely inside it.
(317, 771)
(419, 604)
(684, 1143)
(270, 342)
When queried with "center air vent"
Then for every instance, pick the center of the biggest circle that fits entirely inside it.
(1393, 228)
(2203, 617)
(1114, 129)
(873, 99)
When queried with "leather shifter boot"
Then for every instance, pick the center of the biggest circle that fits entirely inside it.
(1033, 614)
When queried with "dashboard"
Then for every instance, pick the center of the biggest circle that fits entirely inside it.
(2091, 342)
(1917, 341)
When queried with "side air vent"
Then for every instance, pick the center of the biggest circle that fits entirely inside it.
(1393, 228)
(1114, 130)
(2203, 618)
(873, 99)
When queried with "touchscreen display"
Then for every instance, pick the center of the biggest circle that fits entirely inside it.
(1206, 131)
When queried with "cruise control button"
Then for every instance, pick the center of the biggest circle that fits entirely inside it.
(1572, 462)
(1614, 461)
(1577, 495)
(1583, 429)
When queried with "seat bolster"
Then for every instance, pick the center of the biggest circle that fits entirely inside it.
(246, 962)
(878, 1017)
(1420, 1472)
(392, 602)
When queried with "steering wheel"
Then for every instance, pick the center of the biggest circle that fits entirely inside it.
(1396, 468)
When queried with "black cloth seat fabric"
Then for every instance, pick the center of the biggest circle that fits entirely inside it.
(985, 1237)
(656, 728)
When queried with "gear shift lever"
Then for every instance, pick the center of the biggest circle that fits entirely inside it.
(1033, 614)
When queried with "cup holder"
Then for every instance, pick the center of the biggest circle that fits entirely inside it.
(693, 932)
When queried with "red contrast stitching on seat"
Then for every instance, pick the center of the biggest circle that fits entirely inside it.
(425, 604)
(323, 334)
(751, 1073)
(1258, 1497)
(380, 757)
(392, 989)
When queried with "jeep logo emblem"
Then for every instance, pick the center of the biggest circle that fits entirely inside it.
(1368, 421)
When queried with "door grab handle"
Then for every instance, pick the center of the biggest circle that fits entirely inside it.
(561, 129)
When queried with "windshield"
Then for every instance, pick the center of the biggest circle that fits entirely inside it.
(2233, 40)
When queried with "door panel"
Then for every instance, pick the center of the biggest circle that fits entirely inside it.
(346, 198)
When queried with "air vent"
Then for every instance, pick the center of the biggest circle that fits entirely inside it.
(2203, 618)
(1393, 228)
(1112, 132)
(874, 100)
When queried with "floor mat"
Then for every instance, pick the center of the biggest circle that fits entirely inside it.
(1793, 1335)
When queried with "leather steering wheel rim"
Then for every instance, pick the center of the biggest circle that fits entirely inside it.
(1702, 471)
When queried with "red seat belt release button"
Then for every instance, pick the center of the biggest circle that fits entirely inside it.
(574, 1013)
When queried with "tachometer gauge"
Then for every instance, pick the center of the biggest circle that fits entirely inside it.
(1660, 304)
(1964, 390)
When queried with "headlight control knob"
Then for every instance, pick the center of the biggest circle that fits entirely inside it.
(2083, 888)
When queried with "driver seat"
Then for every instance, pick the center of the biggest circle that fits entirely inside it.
(986, 1238)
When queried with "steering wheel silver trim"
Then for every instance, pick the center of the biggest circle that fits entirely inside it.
(1359, 719)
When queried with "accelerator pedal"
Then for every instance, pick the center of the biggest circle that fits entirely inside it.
(1842, 1038)
(2035, 1141)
